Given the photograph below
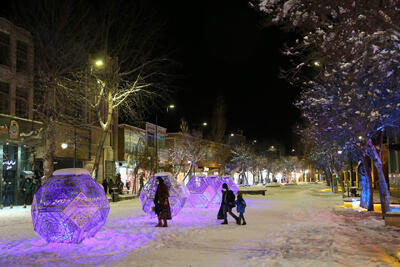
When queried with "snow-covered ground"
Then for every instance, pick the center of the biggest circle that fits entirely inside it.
(290, 226)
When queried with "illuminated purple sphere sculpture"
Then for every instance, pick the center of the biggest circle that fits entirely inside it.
(177, 197)
(69, 207)
(200, 192)
(217, 183)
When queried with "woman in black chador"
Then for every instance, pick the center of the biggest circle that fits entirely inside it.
(227, 203)
(161, 203)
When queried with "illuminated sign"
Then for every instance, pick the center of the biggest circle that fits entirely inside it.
(9, 164)
(14, 130)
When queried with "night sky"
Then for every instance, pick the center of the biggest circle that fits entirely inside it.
(224, 50)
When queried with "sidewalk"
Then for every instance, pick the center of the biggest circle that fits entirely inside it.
(122, 197)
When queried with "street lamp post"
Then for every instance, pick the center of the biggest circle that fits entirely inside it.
(172, 106)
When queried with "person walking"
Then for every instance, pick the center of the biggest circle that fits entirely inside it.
(227, 203)
(110, 186)
(162, 207)
(240, 208)
(27, 187)
(105, 185)
(8, 194)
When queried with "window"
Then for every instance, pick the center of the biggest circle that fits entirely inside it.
(22, 56)
(150, 139)
(4, 49)
(4, 98)
(21, 102)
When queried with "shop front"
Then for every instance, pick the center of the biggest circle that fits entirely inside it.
(18, 139)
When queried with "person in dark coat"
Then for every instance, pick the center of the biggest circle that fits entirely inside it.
(105, 185)
(141, 183)
(110, 186)
(227, 203)
(240, 208)
(162, 207)
(8, 195)
(27, 187)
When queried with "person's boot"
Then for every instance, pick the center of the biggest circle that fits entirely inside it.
(224, 222)
(238, 221)
(165, 224)
(159, 224)
(24, 206)
(244, 223)
(11, 206)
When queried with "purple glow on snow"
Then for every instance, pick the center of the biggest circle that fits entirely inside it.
(200, 191)
(177, 197)
(119, 237)
(69, 208)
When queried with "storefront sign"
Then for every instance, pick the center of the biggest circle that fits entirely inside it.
(9, 164)
(14, 130)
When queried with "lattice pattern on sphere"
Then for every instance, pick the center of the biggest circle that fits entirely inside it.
(177, 197)
(217, 182)
(200, 192)
(69, 208)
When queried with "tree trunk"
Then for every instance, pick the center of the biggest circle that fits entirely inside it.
(383, 189)
(330, 178)
(99, 152)
(367, 197)
(105, 128)
(50, 150)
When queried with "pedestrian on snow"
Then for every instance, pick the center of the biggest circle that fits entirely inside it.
(27, 187)
(240, 208)
(119, 184)
(105, 185)
(3, 192)
(8, 195)
(110, 186)
(161, 203)
(141, 183)
(227, 203)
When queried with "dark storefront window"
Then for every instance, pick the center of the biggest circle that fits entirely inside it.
(4, 98)
(4, 49)
(21, 103)
(22, 56)
(10, 163)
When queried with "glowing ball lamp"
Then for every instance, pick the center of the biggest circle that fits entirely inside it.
(69, 207)
(200, 192)
(177, 197)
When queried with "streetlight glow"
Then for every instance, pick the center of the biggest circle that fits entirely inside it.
(316, 63)
(204, 123)
(99, 63)
(171, 106)
(64, 145)
(340, 152)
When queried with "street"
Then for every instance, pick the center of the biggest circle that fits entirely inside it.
(296, 225)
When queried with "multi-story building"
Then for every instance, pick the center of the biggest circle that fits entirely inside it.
(137, 152)
(17, 129)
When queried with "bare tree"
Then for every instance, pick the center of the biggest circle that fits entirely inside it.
(60, 44)
(241, 157)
